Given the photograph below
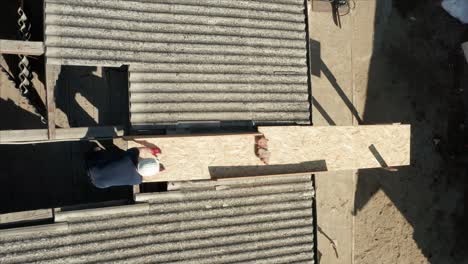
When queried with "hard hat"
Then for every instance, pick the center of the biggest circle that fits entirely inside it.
(148, 167)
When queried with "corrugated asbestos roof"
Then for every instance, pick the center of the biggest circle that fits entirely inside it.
(192, 60)
(267, 220)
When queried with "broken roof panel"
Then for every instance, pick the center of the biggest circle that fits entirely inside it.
(191, 60)
(208, 222)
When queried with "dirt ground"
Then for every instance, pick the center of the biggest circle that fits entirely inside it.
(394, 62)
(417, 75)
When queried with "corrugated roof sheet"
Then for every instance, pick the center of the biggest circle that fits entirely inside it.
(192, 60)
(250, 221)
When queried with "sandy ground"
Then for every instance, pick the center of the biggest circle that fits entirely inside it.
(394, 62)
(412, 216)
(415, 215)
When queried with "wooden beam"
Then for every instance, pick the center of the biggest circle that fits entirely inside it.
(465, 50)
(26, 216)
(183, 136)
(32, 48)
(62, 134)
(221, 180)
(293, 150)
(95, 212)
(86, 206)
(11, 136)
(52, 75)
(145, 197)
(89, 132)
(184, 186)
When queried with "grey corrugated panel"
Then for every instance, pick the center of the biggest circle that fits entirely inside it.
(218, 68)
(228, 254)
(161, 243)
(232, 202)
(263, 229)
(154, 118)
(149, 27)
(292, 7)
(96, 57)
(217, 214)
(304, 257)
(136, 77)
(216, 107)
(238, 191)
(33, 231)
(184, 249)
(167, 233)
(216, 97)
(233, 53)
(96, 11)
(234, 183)
(136, 57)
(225, 21)
(175, 47)
(234, 258)
(99, 33)
(59, 245)
(215, 87)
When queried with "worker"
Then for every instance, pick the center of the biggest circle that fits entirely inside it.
(107, 168)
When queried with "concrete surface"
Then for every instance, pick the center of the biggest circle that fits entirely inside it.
(332, 92)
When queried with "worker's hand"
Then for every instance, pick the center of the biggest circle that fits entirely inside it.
(155, 151)
(146, 152)
(261, 149)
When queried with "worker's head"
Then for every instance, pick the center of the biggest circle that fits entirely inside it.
(148, 167)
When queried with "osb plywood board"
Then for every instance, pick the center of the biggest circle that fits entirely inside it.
(190, 157)
(341, 147)
(295, 149)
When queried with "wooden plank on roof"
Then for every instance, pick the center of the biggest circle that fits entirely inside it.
(52, 75)
(89, 132)
(11, 136)
(26, 216)
(61, 216)
(33, 48)
(294, 150)
(62, 134)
